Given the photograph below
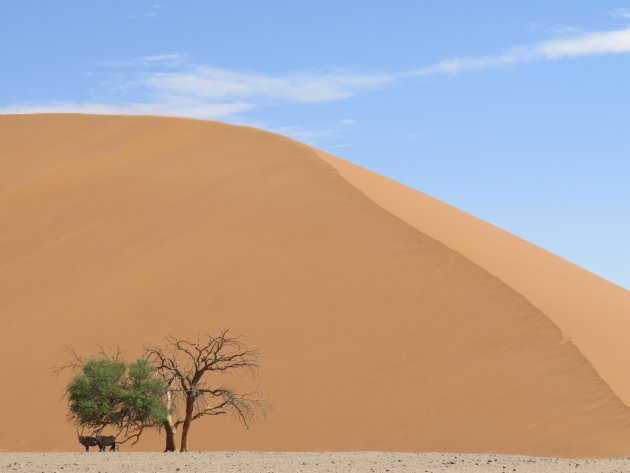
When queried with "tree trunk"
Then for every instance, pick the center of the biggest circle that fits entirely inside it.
(169, 427)
(186, 425)
(170, 435)
(184, 444)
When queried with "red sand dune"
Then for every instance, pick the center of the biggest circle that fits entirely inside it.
(388, 320)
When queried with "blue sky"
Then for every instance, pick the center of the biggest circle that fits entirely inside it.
(517, 112)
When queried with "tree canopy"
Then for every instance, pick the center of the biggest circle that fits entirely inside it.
(172, 386)
(112, 392)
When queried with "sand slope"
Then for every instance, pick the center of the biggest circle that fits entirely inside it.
(591, 311)
(376, 335)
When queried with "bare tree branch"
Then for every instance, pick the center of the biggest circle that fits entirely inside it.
(186, 365)
(75, 361)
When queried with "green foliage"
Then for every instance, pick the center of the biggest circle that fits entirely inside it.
(142, 397)
(115, 393)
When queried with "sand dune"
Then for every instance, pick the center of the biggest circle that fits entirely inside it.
(591, 311)
(380, 330)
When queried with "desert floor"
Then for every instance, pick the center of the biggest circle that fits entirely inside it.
(296, 462)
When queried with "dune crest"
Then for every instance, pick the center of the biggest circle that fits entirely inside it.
(377, 333)
(591, 311)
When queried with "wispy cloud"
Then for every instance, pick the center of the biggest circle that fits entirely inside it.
(556, 30)
(309, 135)
(211, 83)
(170, 84)
(164, 59)
(620, 13)
(207, 92)
(588, 44)
(159, 60)
(175, 107)
(154, 11)
(585, 44)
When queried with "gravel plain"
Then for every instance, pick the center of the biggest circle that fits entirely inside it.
(296, 462)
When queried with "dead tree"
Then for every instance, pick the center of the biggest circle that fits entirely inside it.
(193, 392)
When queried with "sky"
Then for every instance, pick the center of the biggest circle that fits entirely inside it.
(517, 112)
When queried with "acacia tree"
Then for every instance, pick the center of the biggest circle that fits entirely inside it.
(192, 390)
(108, 391)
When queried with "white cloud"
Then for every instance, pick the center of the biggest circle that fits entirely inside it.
(349, 121)
(207, 92)
(602, 42)
(206, 83)
(620, 13)
(556, 30)
(215, 83)
(158, 60)
(164, 59)
(314, 136)
(168, 108)
(311, 136)
(201, 91)
(586, 44)
(154, 12)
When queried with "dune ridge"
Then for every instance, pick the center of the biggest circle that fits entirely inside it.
(577, 294)
(376, 334)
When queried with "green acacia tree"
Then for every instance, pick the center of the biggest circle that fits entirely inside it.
(109, 392)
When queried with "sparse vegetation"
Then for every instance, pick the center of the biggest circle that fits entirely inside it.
(170, 387)
(113, 393)
(192, 393)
